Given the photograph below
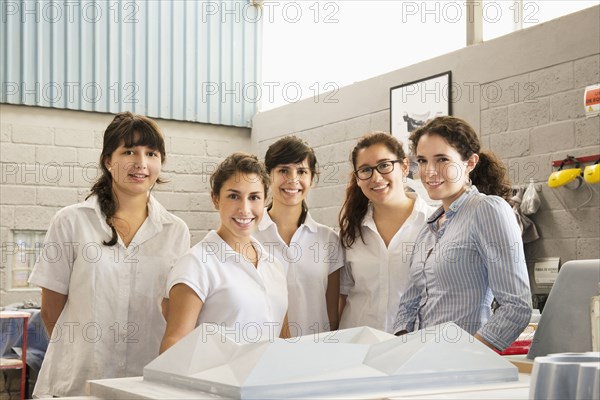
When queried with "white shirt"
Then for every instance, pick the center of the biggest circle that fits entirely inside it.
(250, 301)
(112, 324)
(313, 254)
(375, 276)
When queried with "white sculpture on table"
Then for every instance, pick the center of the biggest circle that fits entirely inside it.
(351, 361)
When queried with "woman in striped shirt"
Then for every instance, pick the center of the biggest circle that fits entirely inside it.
(470, 251)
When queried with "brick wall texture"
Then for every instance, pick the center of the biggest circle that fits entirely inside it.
(538, 118)
(50, 161)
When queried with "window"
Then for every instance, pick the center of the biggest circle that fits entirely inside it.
(546, 10)
(25, 250)
(502, 17)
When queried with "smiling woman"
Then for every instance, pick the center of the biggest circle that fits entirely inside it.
(131, 161)
(456, 272)
(309, 252)
(378, 225)
(227, 278)
(106, 287)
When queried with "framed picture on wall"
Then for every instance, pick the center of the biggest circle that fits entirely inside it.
(413, 103)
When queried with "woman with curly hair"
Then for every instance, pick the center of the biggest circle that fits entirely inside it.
(471, 249)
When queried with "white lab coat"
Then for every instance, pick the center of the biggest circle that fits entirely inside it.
(112, 324)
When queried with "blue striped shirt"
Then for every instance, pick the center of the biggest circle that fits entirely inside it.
(457, 270)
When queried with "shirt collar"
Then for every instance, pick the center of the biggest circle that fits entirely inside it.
(420, 207)
(368, 220)
(224, 251)
(156, 212)
(310, 223)
(157, 216)
(262, 253)
(266, 222)
(455, 206)
(93, 204)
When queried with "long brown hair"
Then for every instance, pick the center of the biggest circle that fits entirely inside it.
(291, 150)
(489, 175)
(131, 130)
(356, 204)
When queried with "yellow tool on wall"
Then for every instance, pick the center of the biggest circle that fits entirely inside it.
(565, 176)
(591, 174)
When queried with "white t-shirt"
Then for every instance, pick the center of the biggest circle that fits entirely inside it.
(314, 253)
(112, 324)
(375, 276)
(250, 301)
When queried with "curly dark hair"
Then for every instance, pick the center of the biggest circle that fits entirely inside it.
(356, 204)
(131, 130)
(489, 175)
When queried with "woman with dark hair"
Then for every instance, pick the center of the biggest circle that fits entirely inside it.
(228, 279)
(471, 249)
(309, 251)
(379, 222)
(104, 266)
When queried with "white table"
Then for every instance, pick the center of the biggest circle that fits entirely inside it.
(137, 388)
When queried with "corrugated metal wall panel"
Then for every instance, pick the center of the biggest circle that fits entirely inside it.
(182, 60)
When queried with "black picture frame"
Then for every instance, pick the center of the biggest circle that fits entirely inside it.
(413, 103)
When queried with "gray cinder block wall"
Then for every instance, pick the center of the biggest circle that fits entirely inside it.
(49, 158)
(522, 92)
(547, 122)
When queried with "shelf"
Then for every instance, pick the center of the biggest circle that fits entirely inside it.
(17, 363)
(582, 160)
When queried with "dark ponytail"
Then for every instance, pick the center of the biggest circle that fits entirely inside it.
(108, 204)
(490, 175)
(356, 204)
(130, 130)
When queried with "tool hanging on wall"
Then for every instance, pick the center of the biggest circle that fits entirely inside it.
(574, 178)
(591, 174)
(562, 177)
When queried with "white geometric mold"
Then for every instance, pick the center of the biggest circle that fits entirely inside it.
(351, 361)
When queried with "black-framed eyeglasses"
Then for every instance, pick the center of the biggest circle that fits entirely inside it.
(384, 167)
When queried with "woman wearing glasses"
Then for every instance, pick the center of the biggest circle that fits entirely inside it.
(379, 222)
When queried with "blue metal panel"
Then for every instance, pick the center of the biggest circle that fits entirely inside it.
(184, 60)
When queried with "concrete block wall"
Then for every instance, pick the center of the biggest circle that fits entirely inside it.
(539, 118)
(522, 92)
(49, 158)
